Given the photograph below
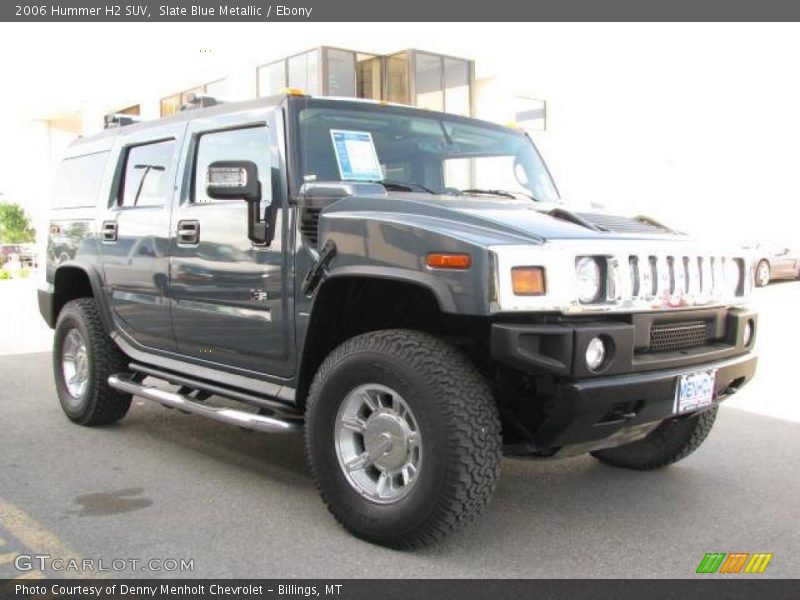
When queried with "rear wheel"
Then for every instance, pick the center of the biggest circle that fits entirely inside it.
(673, 440)
(762, 273)
(403, 437)
(83, 358)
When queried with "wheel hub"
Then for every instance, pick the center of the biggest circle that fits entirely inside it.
(385, 440)
(378, 443)
(75, 363)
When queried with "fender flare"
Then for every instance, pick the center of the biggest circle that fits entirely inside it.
(440, 291)
(96, 283)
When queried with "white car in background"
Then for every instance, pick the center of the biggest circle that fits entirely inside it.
(772, 260)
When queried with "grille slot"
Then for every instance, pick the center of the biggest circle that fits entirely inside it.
(309, 225)
(678, 335)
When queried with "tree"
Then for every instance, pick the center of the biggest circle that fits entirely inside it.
(15, 225)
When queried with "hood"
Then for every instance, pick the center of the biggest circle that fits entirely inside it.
(536, 222)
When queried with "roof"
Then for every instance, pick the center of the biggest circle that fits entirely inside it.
(185, 115)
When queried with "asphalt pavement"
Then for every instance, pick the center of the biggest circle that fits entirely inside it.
(163, 485)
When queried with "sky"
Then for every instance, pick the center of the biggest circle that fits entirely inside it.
(697, 124)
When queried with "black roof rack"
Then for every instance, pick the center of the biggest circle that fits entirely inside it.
(118, 120)
(199, 101)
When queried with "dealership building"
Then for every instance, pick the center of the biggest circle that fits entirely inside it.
(414, 77)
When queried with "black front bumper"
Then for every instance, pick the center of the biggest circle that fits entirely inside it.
(610, 411)
(581, 410)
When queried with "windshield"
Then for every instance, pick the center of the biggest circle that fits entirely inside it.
(411, 150)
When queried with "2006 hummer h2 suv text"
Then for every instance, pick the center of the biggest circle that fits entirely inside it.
(404, 285)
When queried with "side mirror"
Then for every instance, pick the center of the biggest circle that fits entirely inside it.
(238, 179)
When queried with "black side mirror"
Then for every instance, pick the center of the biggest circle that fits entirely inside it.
(234, 179)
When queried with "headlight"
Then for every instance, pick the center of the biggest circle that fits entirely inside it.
(595, 353)
(733, 276)
(590, 284)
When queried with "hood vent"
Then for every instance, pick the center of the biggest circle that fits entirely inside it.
(620, 224)
(309, 224)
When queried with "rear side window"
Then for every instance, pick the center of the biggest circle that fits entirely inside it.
(78, 180)
(251, 143)
(148, 176)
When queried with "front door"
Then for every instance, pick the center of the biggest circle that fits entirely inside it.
(229, 296)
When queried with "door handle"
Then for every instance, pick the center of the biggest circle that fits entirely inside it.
(109, 232)
(188, 233)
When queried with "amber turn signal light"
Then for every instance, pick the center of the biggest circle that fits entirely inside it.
(440, 260)
(527, 281)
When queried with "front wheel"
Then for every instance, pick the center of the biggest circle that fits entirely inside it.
(403, 437)
(673, 440)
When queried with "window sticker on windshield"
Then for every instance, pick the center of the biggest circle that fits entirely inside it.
(356, 155)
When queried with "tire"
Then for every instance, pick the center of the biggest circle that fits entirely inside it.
(762, 274)
(673, 440)
(95, 403)
(457, 425)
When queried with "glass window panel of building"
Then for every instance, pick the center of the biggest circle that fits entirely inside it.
(217, 89)
(429, 81)
(303, 72)
(368, 76)
(170, 105)
(341, 72)
(271, 78)
(397, 78)
(456, 86)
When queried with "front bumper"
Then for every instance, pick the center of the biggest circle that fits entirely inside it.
(610, 411)
(577, 410)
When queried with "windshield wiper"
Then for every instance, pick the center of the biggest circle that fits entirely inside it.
(501, 193)
(401, 186)
(480, 192)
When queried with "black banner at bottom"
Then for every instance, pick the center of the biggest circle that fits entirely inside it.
(397, 589)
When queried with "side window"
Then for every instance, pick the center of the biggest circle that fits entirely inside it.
(251, 143)
(78, 180)
(147, 180)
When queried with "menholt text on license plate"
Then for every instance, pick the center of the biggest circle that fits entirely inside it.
(695, 390)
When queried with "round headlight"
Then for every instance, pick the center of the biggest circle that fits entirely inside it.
(733, 276)
(587, 270)
(595, 353)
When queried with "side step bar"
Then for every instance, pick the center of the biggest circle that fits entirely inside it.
(278, 409)
(230, 416)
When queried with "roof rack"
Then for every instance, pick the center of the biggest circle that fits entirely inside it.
(194, 101)
(118, 120)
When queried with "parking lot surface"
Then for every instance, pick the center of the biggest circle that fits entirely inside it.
(162, 485)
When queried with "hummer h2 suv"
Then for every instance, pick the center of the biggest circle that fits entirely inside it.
(404, 286)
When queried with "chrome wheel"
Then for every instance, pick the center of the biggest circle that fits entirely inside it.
(378, 443)
(75, 363)
(763, 274)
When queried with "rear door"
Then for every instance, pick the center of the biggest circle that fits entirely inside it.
(229, 295)
(135, 234)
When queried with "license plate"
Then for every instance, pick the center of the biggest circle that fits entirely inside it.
(695, 390)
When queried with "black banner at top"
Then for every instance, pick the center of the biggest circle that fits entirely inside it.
(392, 10)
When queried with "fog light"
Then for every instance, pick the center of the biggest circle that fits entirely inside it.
(595, 353)
(748, 332)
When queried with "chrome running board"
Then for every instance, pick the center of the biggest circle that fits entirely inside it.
(231, 416)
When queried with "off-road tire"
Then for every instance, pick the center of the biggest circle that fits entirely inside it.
(459, 425)
(671, 441)
(99, 404)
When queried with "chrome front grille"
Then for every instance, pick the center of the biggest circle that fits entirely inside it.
(677, 280)
(678, 335)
